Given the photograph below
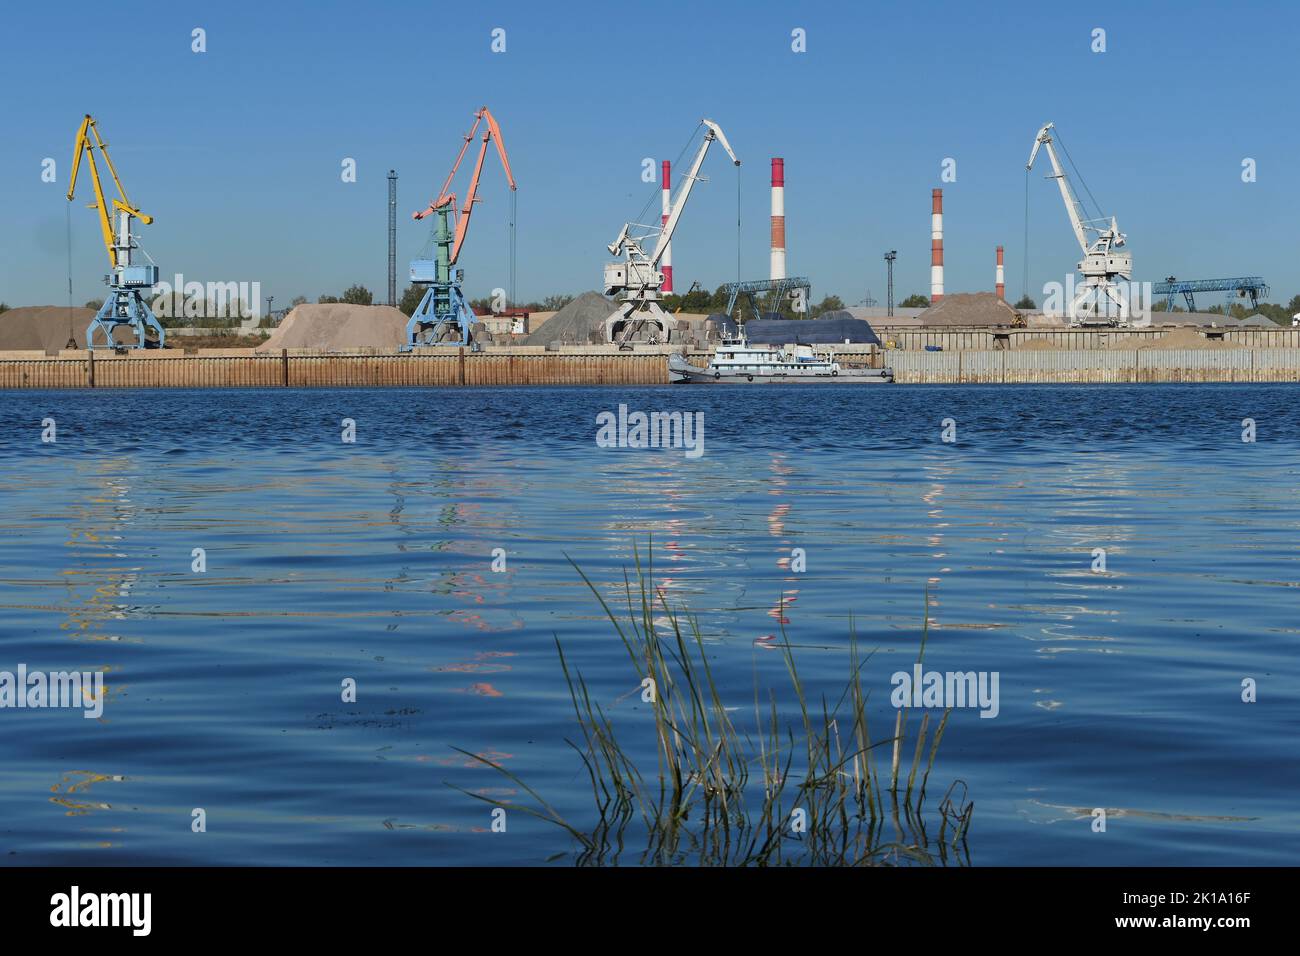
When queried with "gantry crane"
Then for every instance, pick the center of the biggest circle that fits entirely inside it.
(637, 279)
(124, 304)
(443, 305)
(1102, 263)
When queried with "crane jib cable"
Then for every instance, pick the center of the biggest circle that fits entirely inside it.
(1096, 206)
(67, 208)
(1024, 285)
(514, 218)
(642, 216)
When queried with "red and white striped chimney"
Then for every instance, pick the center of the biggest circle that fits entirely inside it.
(778, 218)
(1001, 285)
(936, 246)
(666, 263)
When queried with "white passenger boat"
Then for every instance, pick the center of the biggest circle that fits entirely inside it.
(738, 362)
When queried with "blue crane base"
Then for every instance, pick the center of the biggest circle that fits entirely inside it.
(125, 306)
(443, 308)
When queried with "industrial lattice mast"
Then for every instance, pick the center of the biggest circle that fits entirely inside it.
(392, 237)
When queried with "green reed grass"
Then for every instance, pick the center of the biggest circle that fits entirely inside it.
(719, 795)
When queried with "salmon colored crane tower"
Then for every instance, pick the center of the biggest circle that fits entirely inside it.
(666, 263)
(444, 307)
(778, 218)
(1001, 284)
(936, 246)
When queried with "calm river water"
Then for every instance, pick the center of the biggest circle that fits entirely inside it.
(1119, 688)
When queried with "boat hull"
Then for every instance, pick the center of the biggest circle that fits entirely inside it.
(683, 373)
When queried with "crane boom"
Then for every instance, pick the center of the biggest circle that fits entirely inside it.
(712, 131)
(445, 198)
(692, 175)
(1072, 205)
(493, 133)
(89, 130)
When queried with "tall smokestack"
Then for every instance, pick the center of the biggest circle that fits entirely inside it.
(778, 218)
(936, 246)
(666, 263)
(1001, 286)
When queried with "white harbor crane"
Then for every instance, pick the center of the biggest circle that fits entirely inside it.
(1099, 300)
(636, 280)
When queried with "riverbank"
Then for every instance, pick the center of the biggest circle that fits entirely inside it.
(226, 368)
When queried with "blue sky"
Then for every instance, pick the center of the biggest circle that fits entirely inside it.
(237, 151)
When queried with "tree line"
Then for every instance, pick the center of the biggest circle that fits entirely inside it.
(700, 301)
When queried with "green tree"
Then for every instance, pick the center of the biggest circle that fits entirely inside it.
(554, 303)
(4, 307)
(915, 302)
(1026, 302)
(297, 301)
(411, 299)
(329, 300)
(358, 295)
(830, 303)
(695, 300)
(1294, 305)
(1278, 313)
(95, 304)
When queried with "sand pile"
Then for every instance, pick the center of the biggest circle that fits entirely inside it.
(969, 308)
(575, 323)
(337, 327)
(1039, 320)
(1208, 319)
(1184, 337)
(1035, 345)
(46, 327)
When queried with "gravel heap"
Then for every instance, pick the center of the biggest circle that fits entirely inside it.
(575, 323)
(1184, 337)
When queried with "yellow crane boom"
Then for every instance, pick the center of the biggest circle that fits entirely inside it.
(88, 140)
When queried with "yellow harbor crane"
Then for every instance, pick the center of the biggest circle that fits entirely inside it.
(125, 303)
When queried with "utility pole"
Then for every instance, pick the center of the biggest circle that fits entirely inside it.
(890, 256)
(269, 300)
(392, 237)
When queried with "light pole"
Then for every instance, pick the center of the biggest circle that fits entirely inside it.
(890, 256)
(392, 236)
